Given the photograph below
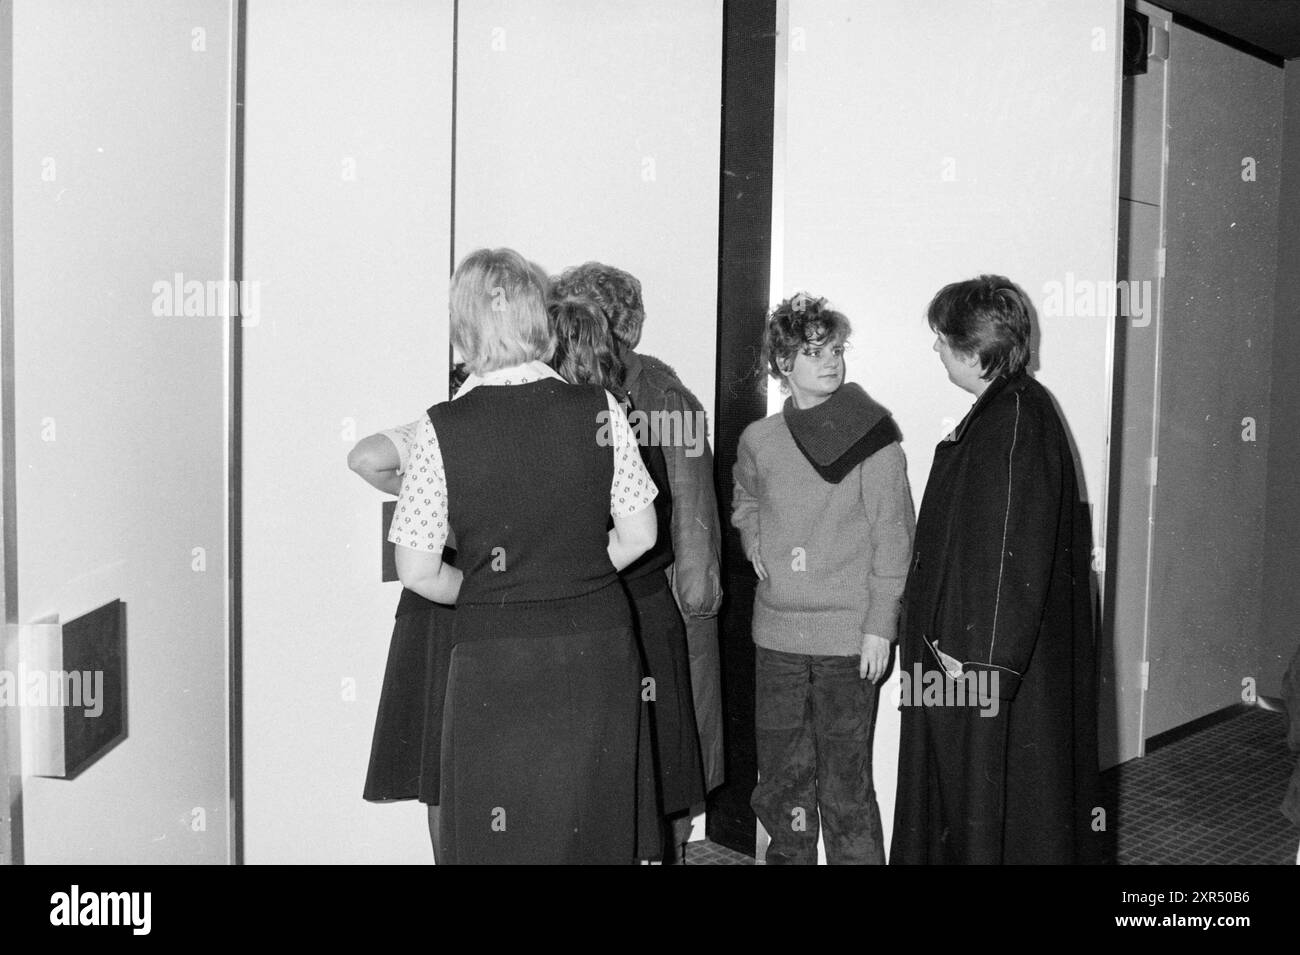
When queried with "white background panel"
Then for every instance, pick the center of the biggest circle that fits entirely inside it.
(347, 214)
(590, 130)
(121, 155)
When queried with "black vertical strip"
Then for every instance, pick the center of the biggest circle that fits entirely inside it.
(744, 270)
(455, 67)
(234, 546)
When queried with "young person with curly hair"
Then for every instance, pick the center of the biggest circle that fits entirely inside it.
(825, 515)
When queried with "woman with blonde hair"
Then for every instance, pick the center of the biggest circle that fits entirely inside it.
(542, 699)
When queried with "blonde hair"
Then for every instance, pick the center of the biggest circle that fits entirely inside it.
(498, 311)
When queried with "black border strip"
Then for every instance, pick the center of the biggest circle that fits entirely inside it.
(749, 38)
(235, 543)
(1213, 33)
(455, 72)
(451, 236)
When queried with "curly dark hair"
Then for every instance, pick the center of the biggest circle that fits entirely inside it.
(798, 321)
(989, 316)
(617, 293)
(585, 350)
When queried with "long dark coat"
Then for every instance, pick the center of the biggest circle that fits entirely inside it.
(1000, 580)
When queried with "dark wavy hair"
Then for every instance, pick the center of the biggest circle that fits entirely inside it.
(989, 316)
(798, 321)
(585, 350)
(617, 293)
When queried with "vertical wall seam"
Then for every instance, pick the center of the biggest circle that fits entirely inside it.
(451, 234)
(234, 443)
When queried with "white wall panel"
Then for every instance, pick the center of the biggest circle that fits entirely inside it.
(591, 130)
(347, 216)
(121, 157)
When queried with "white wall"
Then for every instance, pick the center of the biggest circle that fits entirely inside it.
(121, 155)
(347, 212)
(1014, 101)
(591, 130)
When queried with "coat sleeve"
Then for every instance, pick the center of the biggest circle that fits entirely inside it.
(697, 538)
(888, 501)
(744, 498)
(1010, 513)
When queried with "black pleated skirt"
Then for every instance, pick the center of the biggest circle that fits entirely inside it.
(679, 770)
(405, 751)
(540, 736)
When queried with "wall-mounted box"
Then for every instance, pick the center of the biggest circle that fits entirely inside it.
(70, 690)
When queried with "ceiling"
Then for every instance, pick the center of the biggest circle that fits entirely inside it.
(1271, 25)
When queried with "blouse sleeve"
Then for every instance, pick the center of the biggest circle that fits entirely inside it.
(403, 436)
(420, 518)
(632, 488)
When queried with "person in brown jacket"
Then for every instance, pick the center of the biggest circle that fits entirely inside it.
(674, 419)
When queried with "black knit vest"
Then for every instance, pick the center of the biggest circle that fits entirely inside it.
(528, 484)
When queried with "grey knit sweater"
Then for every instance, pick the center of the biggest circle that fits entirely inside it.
(836, 555)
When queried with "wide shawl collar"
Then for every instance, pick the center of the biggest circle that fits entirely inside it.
(841, 432)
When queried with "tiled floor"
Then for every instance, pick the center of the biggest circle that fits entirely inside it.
(710, 853)
(1210, 798)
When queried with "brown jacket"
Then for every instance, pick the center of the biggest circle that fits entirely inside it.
(696, 580)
